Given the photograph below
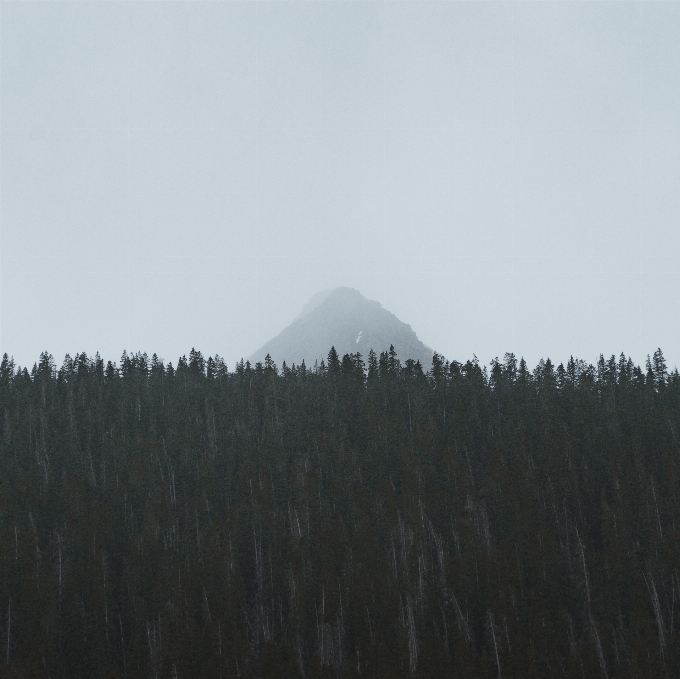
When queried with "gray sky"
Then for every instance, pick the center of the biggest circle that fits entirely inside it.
(504, 176)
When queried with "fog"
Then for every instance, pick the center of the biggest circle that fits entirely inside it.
(502, 176)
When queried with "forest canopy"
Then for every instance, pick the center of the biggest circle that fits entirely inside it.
(358, 518)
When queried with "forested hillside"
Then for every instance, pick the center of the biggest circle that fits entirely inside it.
(344, 521)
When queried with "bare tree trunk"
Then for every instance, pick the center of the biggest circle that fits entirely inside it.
(122, 644)
(412, 639)
(9, 627)
(495, 643)
(654, 596)
(591, 618)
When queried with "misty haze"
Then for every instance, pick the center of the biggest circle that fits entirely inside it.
(339, 340)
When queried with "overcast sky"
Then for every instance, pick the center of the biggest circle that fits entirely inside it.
(504, 176)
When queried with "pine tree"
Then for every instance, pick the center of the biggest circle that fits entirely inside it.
(659, 369)
(333, 366)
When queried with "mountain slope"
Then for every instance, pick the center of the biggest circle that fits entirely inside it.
(345, 319)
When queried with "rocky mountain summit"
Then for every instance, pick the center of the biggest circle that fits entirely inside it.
(345, 319)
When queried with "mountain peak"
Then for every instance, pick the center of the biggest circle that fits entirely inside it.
(345, 319)
(335, 295)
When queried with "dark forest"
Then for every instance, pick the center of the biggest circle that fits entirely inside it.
(350, 519)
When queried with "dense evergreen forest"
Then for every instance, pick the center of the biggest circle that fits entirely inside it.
(345, 520)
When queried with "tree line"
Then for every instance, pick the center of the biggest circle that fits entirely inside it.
(351, 519)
